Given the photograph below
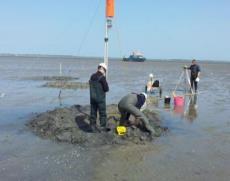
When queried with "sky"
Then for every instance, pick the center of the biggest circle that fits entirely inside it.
(160, 29)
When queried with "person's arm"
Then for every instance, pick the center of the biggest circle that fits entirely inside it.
(104, 84)
(90, 78)
(186, 67)
(198, 70)
(149, 86)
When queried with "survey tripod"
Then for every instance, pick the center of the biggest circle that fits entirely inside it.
(185, 83)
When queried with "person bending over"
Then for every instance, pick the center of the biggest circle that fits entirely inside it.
(131, 105)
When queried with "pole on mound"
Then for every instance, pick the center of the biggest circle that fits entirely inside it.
(109, 14)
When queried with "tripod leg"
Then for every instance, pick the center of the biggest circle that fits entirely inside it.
(189, 82)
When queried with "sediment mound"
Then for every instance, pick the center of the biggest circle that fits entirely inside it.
(72, 125)
(52, 78)
(67, 85)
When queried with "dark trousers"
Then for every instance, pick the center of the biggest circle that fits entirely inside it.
(124, 116)
(101, 107)
(193, 83)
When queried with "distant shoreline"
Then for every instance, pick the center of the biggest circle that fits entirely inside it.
(100, 58)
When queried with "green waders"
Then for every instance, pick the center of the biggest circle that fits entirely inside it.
(97, 103)
(127, 106)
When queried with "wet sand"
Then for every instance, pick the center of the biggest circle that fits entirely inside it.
(196, 148)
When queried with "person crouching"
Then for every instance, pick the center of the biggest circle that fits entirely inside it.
(131, 104)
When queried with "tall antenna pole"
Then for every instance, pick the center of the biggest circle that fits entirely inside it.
(109, 12)
(106, 48)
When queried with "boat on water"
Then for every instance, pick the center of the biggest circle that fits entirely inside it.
(136, 56)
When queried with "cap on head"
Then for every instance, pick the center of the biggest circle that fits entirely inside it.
(103, 65)
(143, 93)
(151, 75)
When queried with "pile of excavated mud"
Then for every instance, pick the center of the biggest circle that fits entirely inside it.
(67, 85)
(72, 125)
(52, 78)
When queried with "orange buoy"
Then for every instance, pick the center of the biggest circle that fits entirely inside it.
(109, 8)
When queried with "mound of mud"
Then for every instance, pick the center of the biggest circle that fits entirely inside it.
(67, 85)
(52, 78)
(72, 125)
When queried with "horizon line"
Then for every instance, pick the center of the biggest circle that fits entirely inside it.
(97, 57)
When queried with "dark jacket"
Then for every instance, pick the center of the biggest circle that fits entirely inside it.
(140, 100)
(98, 76)
(98, 88)
(194, 70)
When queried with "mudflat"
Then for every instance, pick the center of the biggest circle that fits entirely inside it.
(196, 147)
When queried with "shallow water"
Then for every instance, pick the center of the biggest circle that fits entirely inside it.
(196, 148)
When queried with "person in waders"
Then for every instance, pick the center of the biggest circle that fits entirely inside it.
(195, 74)
(132, 104)
(98, 89)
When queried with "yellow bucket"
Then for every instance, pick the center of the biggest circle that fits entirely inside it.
(121, 130)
